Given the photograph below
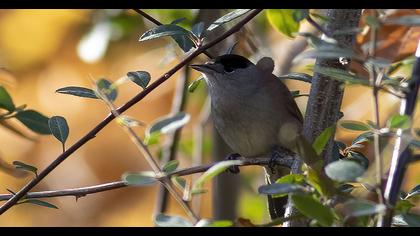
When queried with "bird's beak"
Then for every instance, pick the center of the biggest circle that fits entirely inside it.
(204, 68)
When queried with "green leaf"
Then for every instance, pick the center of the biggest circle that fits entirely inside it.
(128, 121)
(214, 171)
(328, 52)
(198, 29)
(353, 125)
(323, 139)
(297, 76)
(34, 120)
(318, 42)
(179, 182)
(364, 137)
(26, 167)
(170, 166)
(139, 178)
(164, 30)
(291, 179)
(345, 188)
(412, 20)
(6, 101)
(163, 220)
(342, 76)
(359, 158)
(184, 42)
(104, 87)
(357, 208)
(279, 189)
(194, 84)
(166, 125)
(399, 122)
(179, 20)
(413, 192)
(344, 170)
(412, 219)
(403, 206)
(213, 223)
(228, 17)
(38, 202)
(141, 78)
(283, 21)
(78, 91)
(300, 14)
(313, 209)
(59, 128)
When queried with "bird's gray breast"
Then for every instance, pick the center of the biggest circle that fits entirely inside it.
(246, 125)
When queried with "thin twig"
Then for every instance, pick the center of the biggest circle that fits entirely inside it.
(156, 22)
(317, 26)
(83, 191)
(91, 134)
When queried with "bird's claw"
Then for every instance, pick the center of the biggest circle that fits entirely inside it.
(233, 169)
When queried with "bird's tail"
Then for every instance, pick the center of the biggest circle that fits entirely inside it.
(276, 206)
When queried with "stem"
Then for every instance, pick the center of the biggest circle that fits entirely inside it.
(91, 134)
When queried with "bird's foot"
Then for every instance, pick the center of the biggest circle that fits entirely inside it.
(276, 154)
(233, 169)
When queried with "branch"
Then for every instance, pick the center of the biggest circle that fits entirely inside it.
(83, 191)
(91, 134)
(156, 22)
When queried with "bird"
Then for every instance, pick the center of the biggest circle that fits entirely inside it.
(254, 112)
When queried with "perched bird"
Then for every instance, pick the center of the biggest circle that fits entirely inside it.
(254, 112)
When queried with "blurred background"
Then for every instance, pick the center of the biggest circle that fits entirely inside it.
(43, 50)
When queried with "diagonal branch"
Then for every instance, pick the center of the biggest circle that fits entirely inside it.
(91, 134)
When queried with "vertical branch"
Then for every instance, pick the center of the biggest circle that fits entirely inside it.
(323, 108)
(400, 159)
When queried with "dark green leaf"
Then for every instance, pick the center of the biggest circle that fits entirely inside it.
(300, 14)
(179, 182)
(26, 167)
(412, 20)
(59, 128)
(214, 171)
(198, 29)
(167, 124)
(104, 86)
(164, 30)
(346, 188)
(403, 206)
(342, 76)
(228, 17)
(413, 192)
(279, 189)
(78, 91)
(184, 42)
(354, 125)
(283, 21)
(194, 84)
(312, 208)
(344, 170)
(170, 166)
(139, 178)
(415, 143)
(323, 139)
(213, 223)
(179, 20)
(6, 101)
(328, 53)
(141, 78)
(399, 122)
(163, 220)
(372, 21)
(297, 76)
(34, 120)
(198, 191)
(39, 203)
(359, 158)
(364, 137)
(412, 219)
(357, 208)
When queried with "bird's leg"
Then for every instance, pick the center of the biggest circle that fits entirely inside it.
(233, 169)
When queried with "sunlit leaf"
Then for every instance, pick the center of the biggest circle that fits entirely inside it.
(323, 139)
(141, 78)
(105, 87)
(26, 167)
(128, 121)
(164, 30)
(214, 171)
(313, 209)
(78, 91)
(59, 128)
(213, 223)
(353, 125)
(403, 206)
(364, 137)
(167, 124)
(194, 84)
(139, 178)
(6, 101)
(413, 192)
(163, 220)
(344, 170)
(228, 17)
(399, 122)
(34, 120)
(283, 21)
(38, 202)
(170, 166)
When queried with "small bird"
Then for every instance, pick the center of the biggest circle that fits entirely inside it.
(254, 112)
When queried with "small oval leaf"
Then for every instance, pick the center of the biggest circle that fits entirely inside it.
(312, 208)
(35, 121)
(78, 91)
(228, 17)
(279, 189)
(39, 203)
(198, 29)
(139, 178)
(170, 166)
(353, 125)
(164, 30)
(323, 139)
(344, 170)
(163, 220)
(214, 171)
(297, 76)
(166, 125)
(59, 128)
(399, 122)
(194, 84)
(141, 78)
(26, 167)
(413, 192)
(105, 87)
(213, 223)
(6, 101)
(283, 21)
(357, 208)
